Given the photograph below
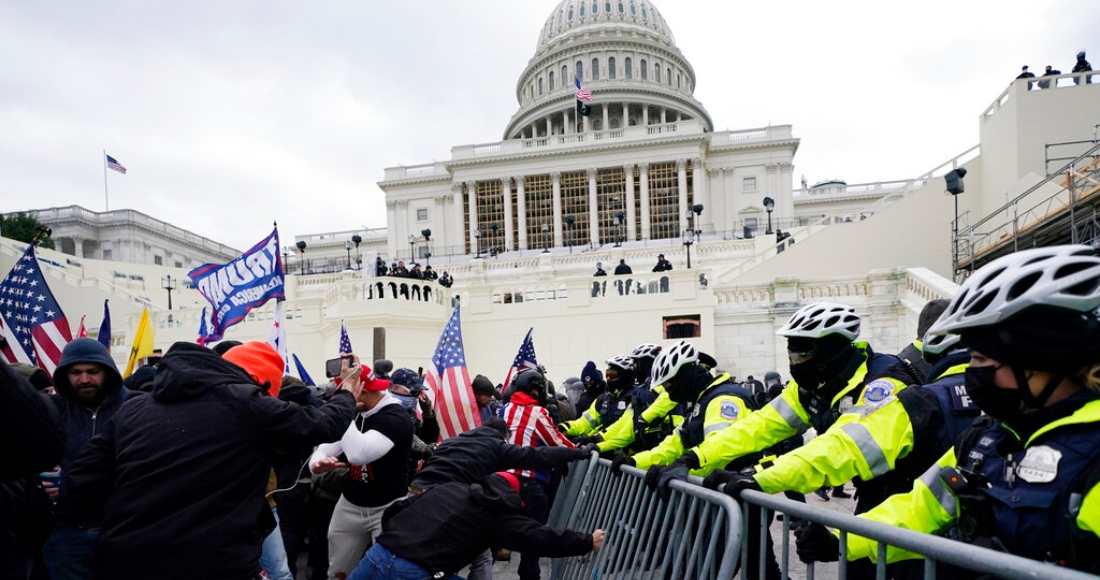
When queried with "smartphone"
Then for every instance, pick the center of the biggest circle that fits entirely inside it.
(332, 366)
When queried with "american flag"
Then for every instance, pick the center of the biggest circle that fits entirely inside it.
(276, 336)
(203, 332)
(30, 318)
(81, 332)
(525, 358)
(449, 381)
(113, 163)
(582, 94)
(345, 342)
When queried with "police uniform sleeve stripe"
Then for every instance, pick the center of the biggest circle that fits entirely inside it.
(788, 414)
(716, 427)
(588, 417)
(939, 489)
(872, 452)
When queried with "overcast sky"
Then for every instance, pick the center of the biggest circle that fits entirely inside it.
(230, 115)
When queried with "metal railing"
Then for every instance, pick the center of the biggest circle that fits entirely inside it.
(694, 534)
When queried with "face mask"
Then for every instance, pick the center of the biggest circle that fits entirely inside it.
(806, 374)
(407, 401)
(1001, 404)
(681, 388)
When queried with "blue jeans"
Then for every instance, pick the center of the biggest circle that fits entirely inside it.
(70, 553)
(273, 556)
(537, 507)
(382, 564)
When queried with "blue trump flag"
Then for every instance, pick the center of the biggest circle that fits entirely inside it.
(235, 288)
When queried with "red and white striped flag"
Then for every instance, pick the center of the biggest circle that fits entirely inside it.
(582, 94)
(82, 332)
(525, 359)
(30, 318)
(455, 407)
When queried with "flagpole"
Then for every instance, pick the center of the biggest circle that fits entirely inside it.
(106, 202)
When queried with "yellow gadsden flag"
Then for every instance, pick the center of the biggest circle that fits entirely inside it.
(143, 342)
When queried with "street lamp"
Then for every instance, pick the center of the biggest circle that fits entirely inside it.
(427, 233)
(493, 239)
(477, 243)
(347, 247)
(769, 205)
(619, 217)
(689, 239)
(955, 186)
(358, 257)
(303, 264)
(169, 284)
(286, 260)
(545, 238)
(569, 220)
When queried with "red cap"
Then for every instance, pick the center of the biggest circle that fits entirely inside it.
(371, 382)
(510, 478)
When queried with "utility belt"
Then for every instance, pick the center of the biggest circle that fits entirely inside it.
(649, 435)
(975, 519)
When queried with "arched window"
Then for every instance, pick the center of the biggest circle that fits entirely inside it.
(597, 125)
(645, 70)
(610, 67)
(620, 7)
(668, 76)
(552, 87)
(607, 7)
(629, 68)
(571, 15)
(633, 10)
(564, 75)
(580, 70)
(679, 81)
(540, 86)
(657, 72)
(595, 69)
(582, 10)
(595, 8)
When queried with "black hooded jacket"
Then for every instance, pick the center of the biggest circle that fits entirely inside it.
(481, 451)
(443, 529)
(179, 475)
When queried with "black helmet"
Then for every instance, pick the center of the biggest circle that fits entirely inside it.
(530, 381)
(772, 378)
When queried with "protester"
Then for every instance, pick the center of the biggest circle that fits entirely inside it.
(487, 398)
(435, 534)
(89, 393)
(179, 475)
(292, 478)
(622, 268)
(30, 426)
(376, 445)
(445, 280)
(594, 385)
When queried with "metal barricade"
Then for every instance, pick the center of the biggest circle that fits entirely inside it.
(695, 534)
(933, 548)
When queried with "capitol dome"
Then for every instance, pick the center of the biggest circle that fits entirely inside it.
(622, 51)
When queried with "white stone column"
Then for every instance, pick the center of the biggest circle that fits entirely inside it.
(457, 238)
(682, 185)
(556, 179)
(549, 127)
(403, 227)
(506, 189)
(606, 115)
(664, 118)
(699, 186)
(565, 123)
(391, 229)
(78, 247)
(593, 208)
(643, 178)
(645, 115)
(784, 204)
(729, 195)
(631, 230)
(471, 190)
(626, 116)
(521, 212)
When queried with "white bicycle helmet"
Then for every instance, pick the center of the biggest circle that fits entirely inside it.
(821, 319)
(1061, 276)
(939, 344)
(622, 361)
(671, 360)
(646, 350)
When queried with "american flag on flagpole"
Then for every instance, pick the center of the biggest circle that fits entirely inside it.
(113, 163)
(203, 332)
(525, 358)
(449, 381)
(30, 318)
(276, 336)
(345, 342)
(82, 332)
(582, 94)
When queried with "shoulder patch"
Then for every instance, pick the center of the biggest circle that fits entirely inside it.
(730, 410)
(876, 391)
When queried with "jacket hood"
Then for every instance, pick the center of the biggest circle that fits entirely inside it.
(483, 432)
(299, 394)
(85, 351)
(188, 370)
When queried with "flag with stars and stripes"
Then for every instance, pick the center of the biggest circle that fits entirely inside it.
(345, 342)
(203, 332)
(456, 409)
(276, 336)
(525, 359)
(31, 320)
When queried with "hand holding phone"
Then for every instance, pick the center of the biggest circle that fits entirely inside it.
(334, 366)
(350, 371)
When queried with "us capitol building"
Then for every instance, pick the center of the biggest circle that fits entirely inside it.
(521, 223)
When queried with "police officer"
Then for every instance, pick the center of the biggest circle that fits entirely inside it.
(643, 426)
(829, 369)
(1022, 479)
(710, 405)
(611, 405)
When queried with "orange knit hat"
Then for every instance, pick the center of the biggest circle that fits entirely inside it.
(261, 362)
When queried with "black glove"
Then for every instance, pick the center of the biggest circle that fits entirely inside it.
(651, 476)
(426, 408)
(677, 470)
(582, 440)
(718, 478)
(738, 483)
(589, 448)
(619, 462)
(815, 543)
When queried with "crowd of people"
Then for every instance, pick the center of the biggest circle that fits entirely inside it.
(398, 269)
(983, 428)
(1080, 66)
